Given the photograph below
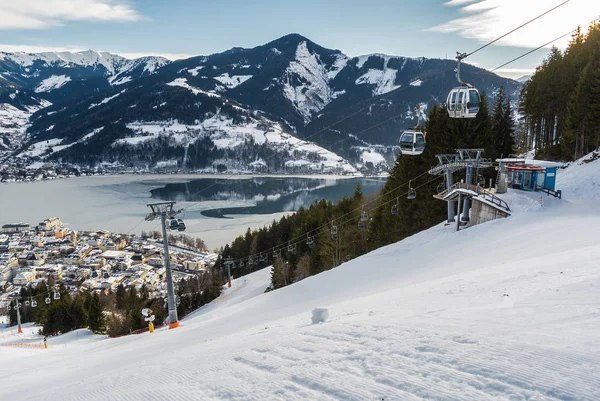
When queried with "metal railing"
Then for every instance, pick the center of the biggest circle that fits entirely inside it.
(481, 192)
(556, 194)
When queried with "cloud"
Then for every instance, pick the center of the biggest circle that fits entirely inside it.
(74, 49)
(486, 20)
(37, 49)
(40, 14)
(514, 73)
(458, 2)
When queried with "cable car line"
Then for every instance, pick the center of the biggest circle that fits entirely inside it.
(351, 218)
(472, 95)
(300, 142)
(334, 220)
(315, 232)
(536, 49)
(516, 29)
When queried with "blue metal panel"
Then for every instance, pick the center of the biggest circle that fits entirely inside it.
(550, 178)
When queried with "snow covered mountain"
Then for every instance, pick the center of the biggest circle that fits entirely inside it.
(14, 120)
(425, 318)
(55, 76)
(173, 125)
(291, 81)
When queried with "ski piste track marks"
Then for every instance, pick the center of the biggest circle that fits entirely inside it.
(382, 363)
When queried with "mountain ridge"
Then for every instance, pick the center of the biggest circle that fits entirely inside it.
(290, 81)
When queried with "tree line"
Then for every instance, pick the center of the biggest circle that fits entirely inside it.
(115, 313)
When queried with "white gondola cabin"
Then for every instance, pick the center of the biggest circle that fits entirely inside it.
(412, 143)
(463, 102)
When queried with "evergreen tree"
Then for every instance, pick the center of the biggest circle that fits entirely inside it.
(121, 297)
(96, 319)
(502, 128)
(136, 319)
(558, 103)
(132, 299)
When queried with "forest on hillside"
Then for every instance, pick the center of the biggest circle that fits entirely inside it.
(560, 104)
(303, 244)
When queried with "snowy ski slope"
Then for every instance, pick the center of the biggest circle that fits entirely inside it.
(508, 310)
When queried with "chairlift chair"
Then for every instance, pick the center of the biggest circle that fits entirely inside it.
(310, 241)
(48, 300)
(180, 225)
(463, 101)
(334, 232)
(412, 143)
(33, 304)
(27, 303)
(363, 218)
(57, 295)
(292, 248)
(412, 193)
(261, 258)
(395, 207)
(173, 225)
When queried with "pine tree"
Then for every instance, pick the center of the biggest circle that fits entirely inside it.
(136, 319)
(132, 298)
(501, 141)
(121, 297)
(96, 319)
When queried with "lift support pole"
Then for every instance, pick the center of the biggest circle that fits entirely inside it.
(163, 211)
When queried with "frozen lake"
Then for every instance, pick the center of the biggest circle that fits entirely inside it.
(218, 209)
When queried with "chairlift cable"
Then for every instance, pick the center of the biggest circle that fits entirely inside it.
(516, 29)
(534, 50)
(375, 100)
(315, 232)
(334, 220)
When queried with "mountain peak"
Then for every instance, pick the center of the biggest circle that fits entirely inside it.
(289, 40)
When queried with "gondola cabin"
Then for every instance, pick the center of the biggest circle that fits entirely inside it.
(412, 143)
(463, 102)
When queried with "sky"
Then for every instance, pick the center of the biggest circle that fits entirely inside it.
(184, 28)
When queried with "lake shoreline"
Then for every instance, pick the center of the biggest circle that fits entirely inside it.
(118, 203)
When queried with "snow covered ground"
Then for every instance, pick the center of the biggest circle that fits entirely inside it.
(507, 310)
(52, 83)
(226, 133)
(581, 180)
(13, 125)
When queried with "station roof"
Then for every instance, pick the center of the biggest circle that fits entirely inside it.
(520, 167)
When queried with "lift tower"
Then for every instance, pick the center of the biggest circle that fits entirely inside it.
(164, 211)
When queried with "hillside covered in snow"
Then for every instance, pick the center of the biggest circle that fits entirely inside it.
(505, 310)
(355, 108)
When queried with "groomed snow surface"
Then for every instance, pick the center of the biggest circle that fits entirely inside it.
(507, 310)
